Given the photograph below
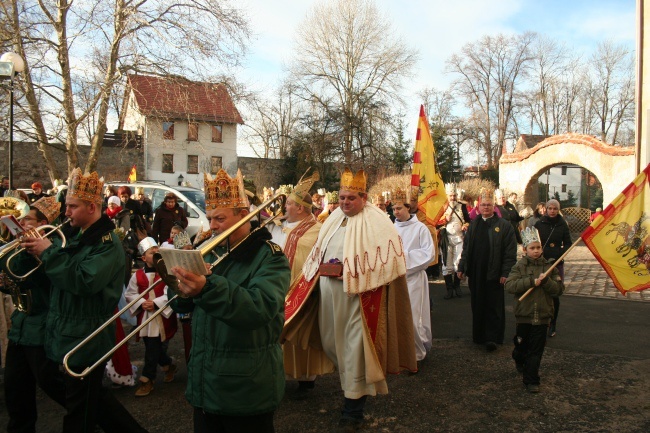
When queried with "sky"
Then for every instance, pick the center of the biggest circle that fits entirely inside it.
(437, 29)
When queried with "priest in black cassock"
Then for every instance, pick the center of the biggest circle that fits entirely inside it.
(489, 252)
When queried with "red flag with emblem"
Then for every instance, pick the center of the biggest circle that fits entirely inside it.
(425, 175)
(619, 237)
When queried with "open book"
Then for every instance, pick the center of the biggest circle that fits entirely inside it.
(190, 260)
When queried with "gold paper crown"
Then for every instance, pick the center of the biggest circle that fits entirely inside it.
(378, 199)
(285, 189)
(224, 191)
(530, 235)
(333, 197)
(450, 188)
(355, 183)
(181, 240)
(400, 195)
(302, 189)
(486, 195)
(49, 207)
(86, 187)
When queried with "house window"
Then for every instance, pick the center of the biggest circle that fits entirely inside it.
(217, 134)
(564, 187)
(168, 130)
(215, 164)
(168, 163)
(564, 170)
(193, 131)
(193, 164)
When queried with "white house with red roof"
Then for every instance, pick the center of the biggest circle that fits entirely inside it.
(188, 127)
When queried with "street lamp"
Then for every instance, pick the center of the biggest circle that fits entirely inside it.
(180, 179)
(10, 65)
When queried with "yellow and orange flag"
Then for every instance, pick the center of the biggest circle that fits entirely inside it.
(132, 175)
(426, 176)
(620, 236)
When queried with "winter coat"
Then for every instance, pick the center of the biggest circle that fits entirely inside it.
(502, 248)
(87, 277)
(28, 329)
(236, 365)
(554, 235)
(536, 308)
(164, 220)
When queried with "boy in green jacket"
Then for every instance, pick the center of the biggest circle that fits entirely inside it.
(535, 311)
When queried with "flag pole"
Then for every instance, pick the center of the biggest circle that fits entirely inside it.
(548, 271)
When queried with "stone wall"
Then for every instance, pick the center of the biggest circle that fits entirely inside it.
(114, 163)
(263, 172)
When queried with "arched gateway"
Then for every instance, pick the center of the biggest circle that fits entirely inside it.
(519, 170)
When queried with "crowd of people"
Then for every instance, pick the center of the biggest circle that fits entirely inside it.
(337, 282)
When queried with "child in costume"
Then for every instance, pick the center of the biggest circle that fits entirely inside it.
(158, 332)
(535, 311)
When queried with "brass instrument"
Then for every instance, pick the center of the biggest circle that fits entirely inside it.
(170, 280)
(11, 206)
(14, 246)
(22, 300)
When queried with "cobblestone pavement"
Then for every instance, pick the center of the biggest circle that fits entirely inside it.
(584, 276)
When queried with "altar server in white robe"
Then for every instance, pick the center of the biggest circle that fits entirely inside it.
(419, 249)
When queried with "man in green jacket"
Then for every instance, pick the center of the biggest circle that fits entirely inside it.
(86, 279)
(236, 374)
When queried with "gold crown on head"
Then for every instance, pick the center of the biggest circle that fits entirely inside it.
(400, 195)
(333, 197)
(49, 207)
(86, 187)
(224, 191)
(355, 183)
(379, 199)
(301, 191)
(451, 188)
(530, 235)
(486, 195)
(285, 189)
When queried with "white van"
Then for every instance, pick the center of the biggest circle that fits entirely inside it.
(190, 199)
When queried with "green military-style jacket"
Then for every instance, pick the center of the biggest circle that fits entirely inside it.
(28, 329)
(87, 278)
(236, 364)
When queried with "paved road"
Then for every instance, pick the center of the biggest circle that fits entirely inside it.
(594, 316)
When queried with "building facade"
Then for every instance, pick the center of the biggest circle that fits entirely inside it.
(188, 128)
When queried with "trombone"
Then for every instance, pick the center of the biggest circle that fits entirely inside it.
(172, 282)
(14, 247)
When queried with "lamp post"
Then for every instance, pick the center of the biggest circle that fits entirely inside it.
(10, 65)
(180, 179)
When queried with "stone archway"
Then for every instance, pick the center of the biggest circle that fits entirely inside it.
(613, 166)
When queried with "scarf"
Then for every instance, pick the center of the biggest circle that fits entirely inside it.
(372, 253)
(113, 213)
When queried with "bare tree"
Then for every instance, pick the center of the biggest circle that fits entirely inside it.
(349, 61)
(612, 89)
(488, 76)
(76, 53)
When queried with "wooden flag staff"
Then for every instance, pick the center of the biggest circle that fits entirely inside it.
(548, 271)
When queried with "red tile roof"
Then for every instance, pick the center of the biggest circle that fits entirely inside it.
(179, 98)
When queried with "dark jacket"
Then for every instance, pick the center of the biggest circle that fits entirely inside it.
(509, 213)
(536, 308)
(236, 365)
(165, 219)
(87, 277)
(502, 248)
(28, 328)
(554, 235)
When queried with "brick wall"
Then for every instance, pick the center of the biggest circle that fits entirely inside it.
(114, 163)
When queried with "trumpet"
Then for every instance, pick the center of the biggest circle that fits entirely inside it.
(14, 247)
(172, 282)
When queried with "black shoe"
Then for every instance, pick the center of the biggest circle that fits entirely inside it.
(490, 346)
(348, 425)
(532, 388)
(449, 295)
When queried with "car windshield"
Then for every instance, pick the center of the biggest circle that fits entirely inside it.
(197, 197)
